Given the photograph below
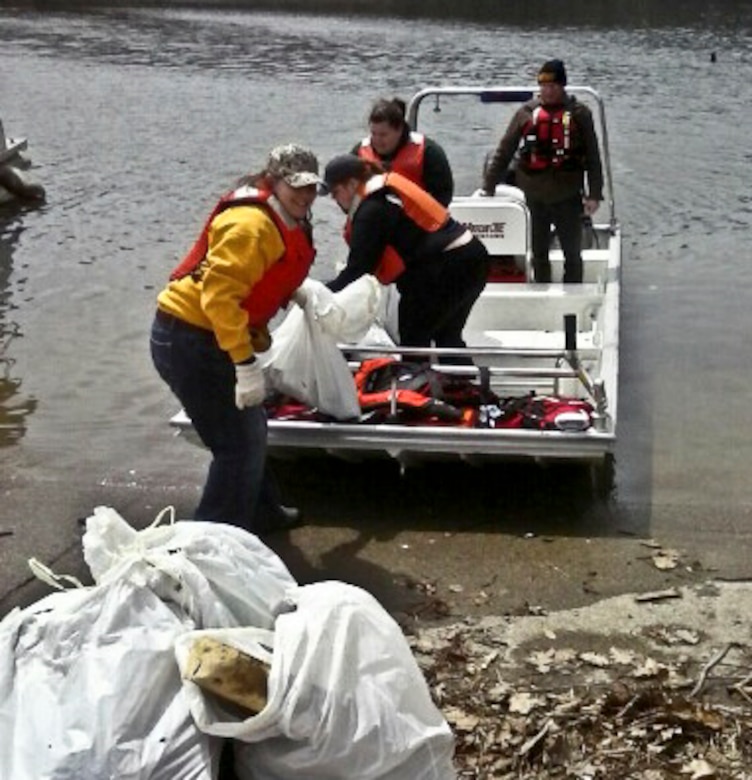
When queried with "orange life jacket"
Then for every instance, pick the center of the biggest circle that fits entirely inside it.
(408, 161)
(547, 139)
(418, 205)
(279, 282)
(409, 390)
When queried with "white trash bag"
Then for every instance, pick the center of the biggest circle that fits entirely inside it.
(220, 575)
(304, 360)
(346, 698)
(348, 314)
(89, 690)
(388, 314)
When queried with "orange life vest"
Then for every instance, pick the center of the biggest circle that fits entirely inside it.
(547, 139)
(418, 205)
(408, 161)
(410, 390)
(279, 282)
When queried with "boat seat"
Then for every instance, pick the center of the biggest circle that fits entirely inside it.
(594, 264)
(501, 222)
(535, 340)
(535, 307)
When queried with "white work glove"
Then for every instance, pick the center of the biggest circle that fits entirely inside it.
(300, 296)
(250, 389)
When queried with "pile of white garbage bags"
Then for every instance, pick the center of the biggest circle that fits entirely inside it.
(92, 679)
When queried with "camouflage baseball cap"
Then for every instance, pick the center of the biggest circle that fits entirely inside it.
(294, 164)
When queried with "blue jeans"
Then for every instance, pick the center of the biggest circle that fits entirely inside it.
(239, 489)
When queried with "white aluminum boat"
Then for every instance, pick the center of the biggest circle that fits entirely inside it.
(526, 340)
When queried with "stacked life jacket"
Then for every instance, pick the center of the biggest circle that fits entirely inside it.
(538, 412)
(399, 391)
(418, 206)
(278, 283)
(394, 391)
(547, 140)
(408, 160)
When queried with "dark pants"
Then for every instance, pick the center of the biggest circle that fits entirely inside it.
(566, 217)
(239, 489)
(437, 294)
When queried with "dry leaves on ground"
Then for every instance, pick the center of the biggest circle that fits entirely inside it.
(559, 713)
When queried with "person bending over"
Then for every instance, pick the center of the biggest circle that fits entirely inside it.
(399, 233)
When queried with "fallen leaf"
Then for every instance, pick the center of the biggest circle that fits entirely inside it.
(649, 668)
(622, 657)
(461, 720)
(687, 636)
(542, 660)
(524, 703)
(595, 659)
(699, 768)
(666, 559)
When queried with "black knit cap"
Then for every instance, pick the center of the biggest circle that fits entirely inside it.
(553, 72)
(341, 168)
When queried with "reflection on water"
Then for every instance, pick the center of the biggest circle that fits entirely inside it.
(14, 408)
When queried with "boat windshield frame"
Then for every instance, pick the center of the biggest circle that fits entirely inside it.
(511, 94)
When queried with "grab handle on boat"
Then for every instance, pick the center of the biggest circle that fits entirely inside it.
(570, 332)
(596, 389)
(570, 351)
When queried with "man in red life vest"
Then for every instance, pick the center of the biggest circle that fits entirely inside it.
(393, 145)
(211, 320)
(553, 144)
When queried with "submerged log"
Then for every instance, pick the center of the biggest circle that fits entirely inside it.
(17, 184)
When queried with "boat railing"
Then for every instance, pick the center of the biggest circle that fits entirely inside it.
(554, 365)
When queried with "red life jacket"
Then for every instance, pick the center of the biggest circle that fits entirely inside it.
(408, 161)
(548, 139)
(541, 412)
(279, 282)
(418, 206)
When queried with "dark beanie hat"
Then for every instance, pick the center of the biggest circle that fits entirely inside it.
(554, 72)
(341, 168)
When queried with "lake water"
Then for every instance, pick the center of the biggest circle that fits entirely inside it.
(138, 118)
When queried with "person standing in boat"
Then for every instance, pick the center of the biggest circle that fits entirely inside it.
(391, 143)
(552, 144)
(399, 233)
(252, 255)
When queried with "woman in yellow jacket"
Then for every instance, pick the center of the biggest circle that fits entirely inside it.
(211, 320)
